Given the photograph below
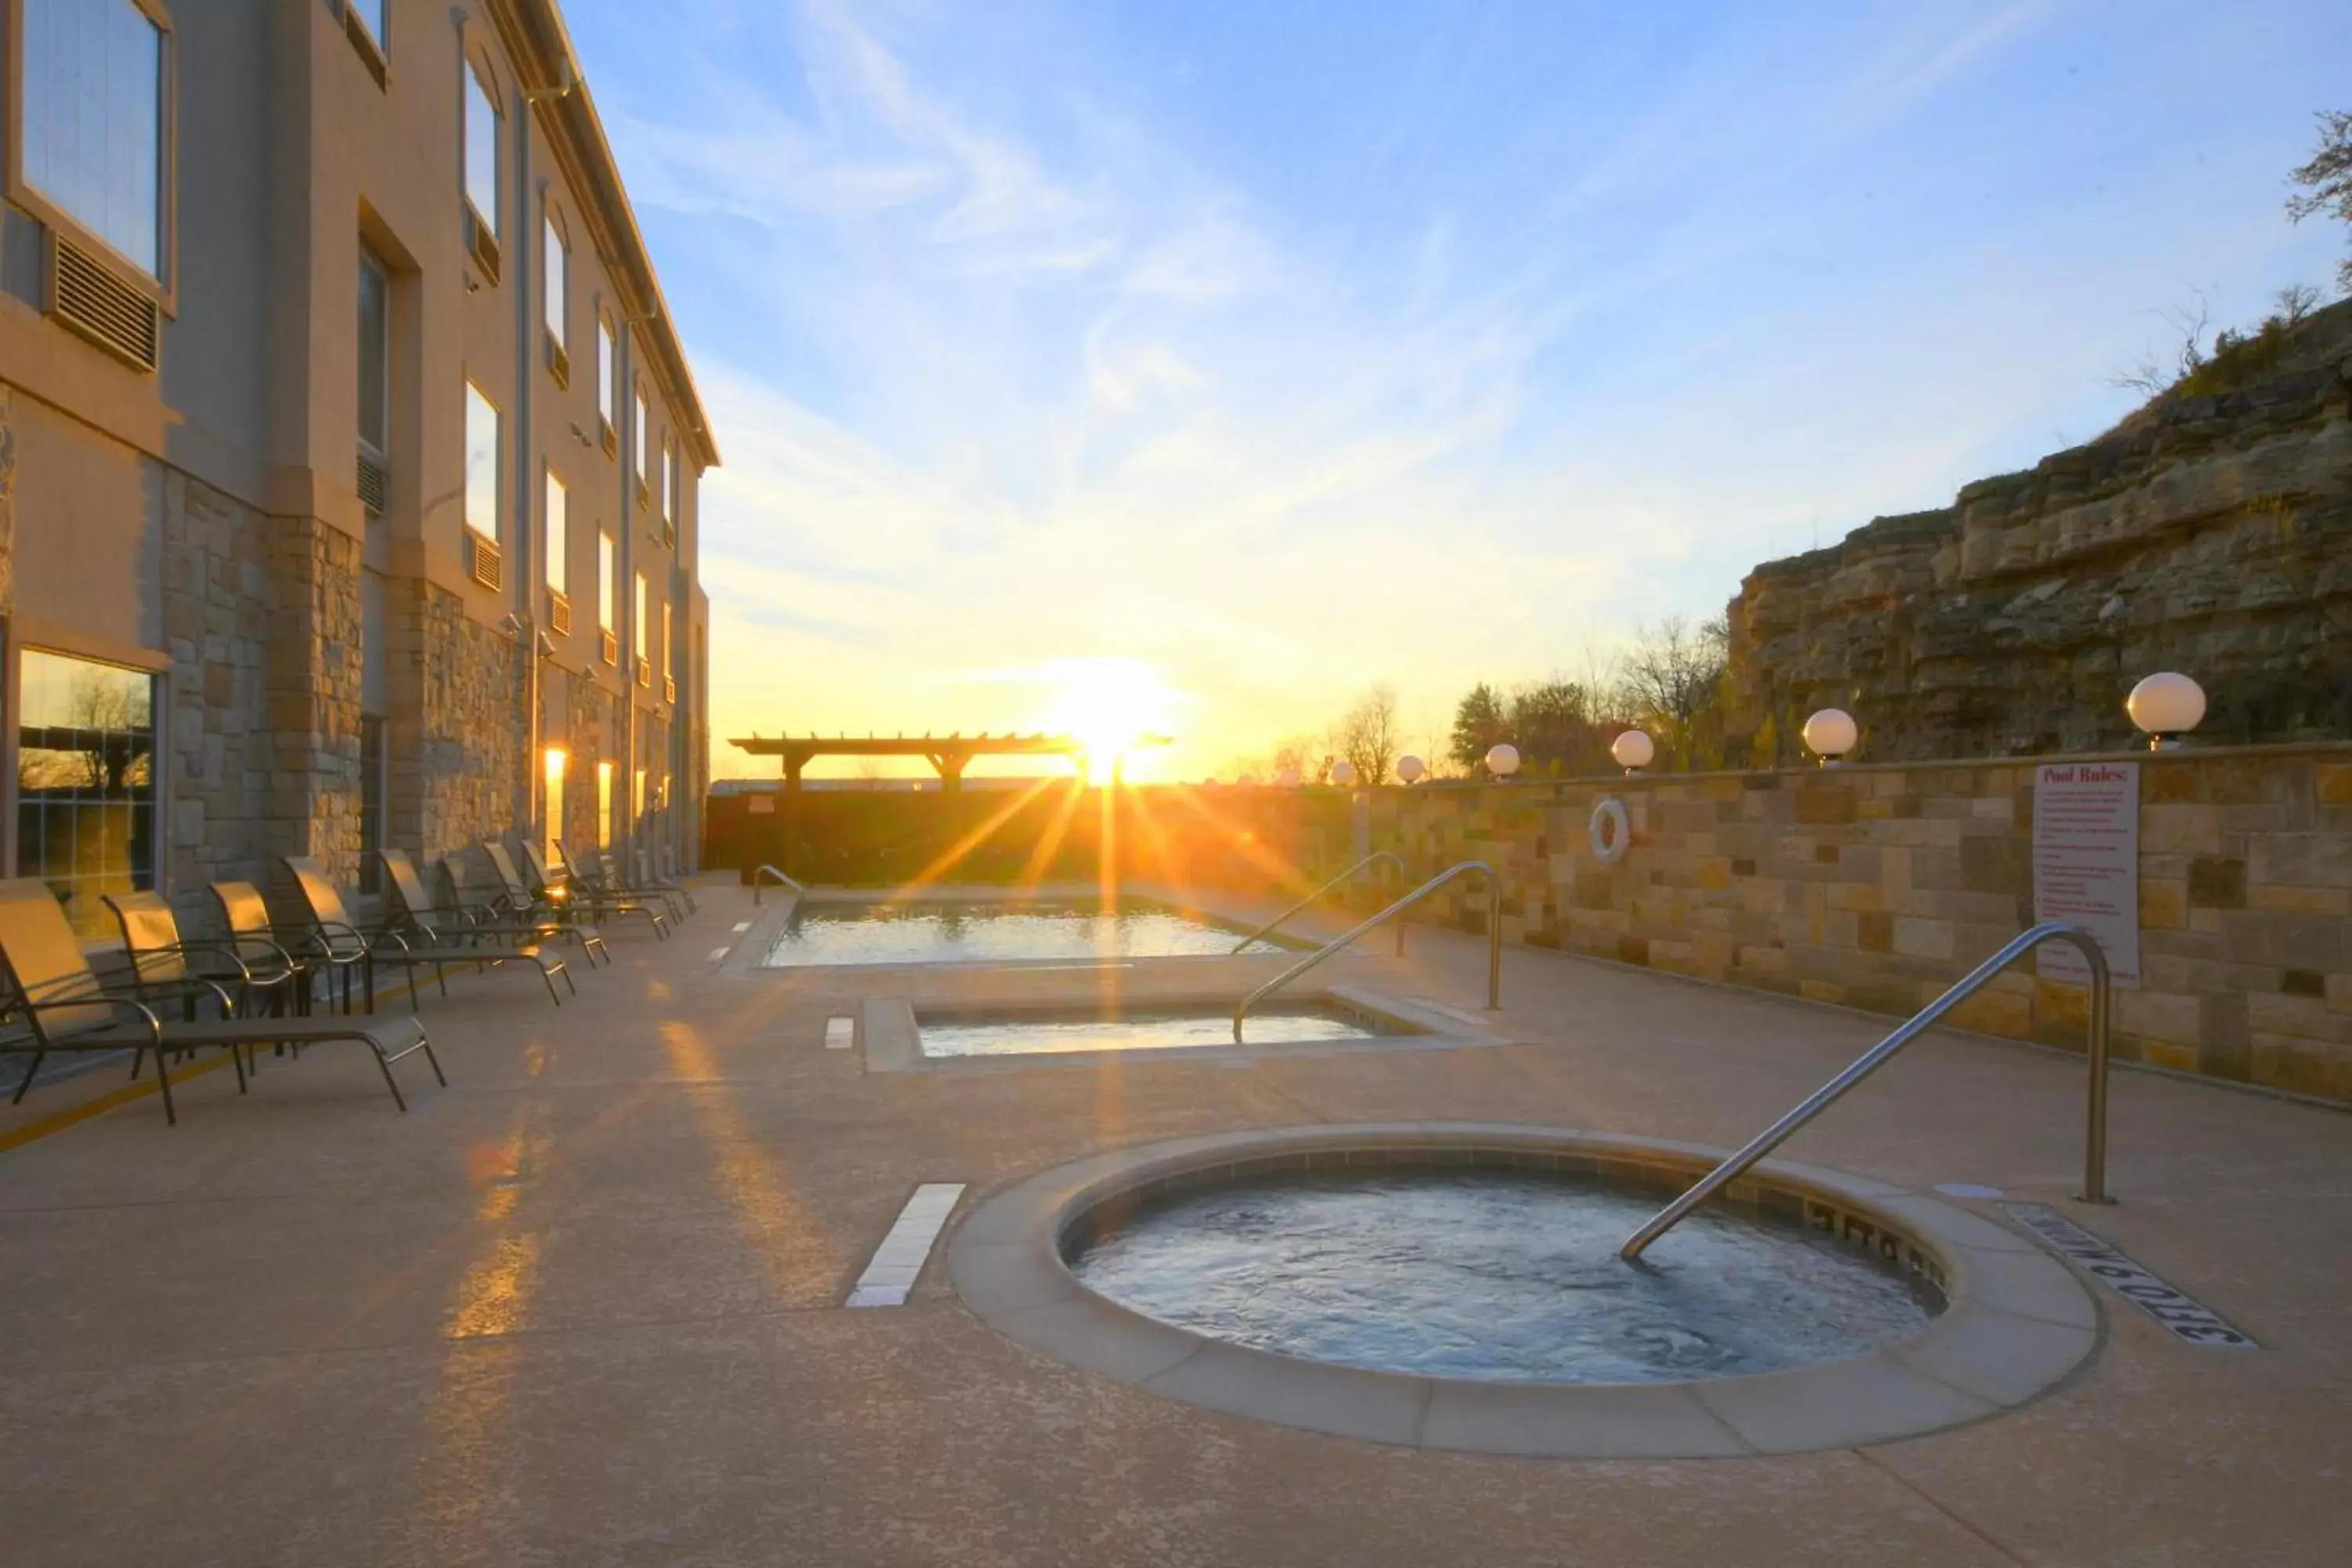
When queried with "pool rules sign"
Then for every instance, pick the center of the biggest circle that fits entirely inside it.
(2086, 864)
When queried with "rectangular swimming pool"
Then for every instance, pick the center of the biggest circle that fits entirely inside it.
(923, 930)
(1157, 1028)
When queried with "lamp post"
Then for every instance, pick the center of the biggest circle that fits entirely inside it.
(1634, 750)
(2165, 706)
(1829, 734)
(1410, 768)
(1503, 760)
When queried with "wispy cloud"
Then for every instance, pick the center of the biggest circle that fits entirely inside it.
(1019, 366)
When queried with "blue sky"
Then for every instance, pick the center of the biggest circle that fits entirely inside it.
(1237, 356)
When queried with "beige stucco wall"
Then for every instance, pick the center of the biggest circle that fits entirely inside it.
(206, 521)
(1878, 886)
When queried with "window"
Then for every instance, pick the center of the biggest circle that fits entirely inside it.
(608, 589)
(668, 481)
(557, 265)
(375, 357)
(481, 464)
(373, 801)
(91, 138)
(642, 427)
(676, 489)
(604, 805)
(558, 525)
(86, 782)
(606, 385)
(556, 762)
(637, 645)
(374, 16)
(481, 151)
(668, 669)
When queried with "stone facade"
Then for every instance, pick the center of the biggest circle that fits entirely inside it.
(456, 738)
(1877, 887)
(2209, 533)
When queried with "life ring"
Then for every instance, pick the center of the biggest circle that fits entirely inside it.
(1611, 833)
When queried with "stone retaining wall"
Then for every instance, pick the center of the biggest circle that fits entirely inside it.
(1876, 887)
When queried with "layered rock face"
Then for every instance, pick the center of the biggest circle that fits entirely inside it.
(2210, 533)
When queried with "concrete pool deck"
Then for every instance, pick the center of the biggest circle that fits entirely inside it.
(585, 1305)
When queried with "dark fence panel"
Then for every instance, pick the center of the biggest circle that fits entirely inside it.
(1063, 832)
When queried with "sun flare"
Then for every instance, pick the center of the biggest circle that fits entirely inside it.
(1121, 707)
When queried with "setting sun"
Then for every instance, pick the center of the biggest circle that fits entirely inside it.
(1117, 707)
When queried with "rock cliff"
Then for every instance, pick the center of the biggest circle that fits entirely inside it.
(2211, 532)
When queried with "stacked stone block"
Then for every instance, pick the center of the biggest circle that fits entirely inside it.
(1878, 886)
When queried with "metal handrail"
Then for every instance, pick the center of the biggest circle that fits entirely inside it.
(1267, 930)
(1494, 940)
(757, 890)
(2094, 1152)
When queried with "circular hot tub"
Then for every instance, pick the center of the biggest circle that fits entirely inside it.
(1456, 1286)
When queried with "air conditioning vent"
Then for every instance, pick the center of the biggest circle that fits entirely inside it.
(87, 297)
(669, 534)
(645, 496)
(375, 486)
(644, 670)
(487, 565)
(559, 613)
(481, 244)
(608, 648)
(669, 688)
(559, 363)
(612, 438)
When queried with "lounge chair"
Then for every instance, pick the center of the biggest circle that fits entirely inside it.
(245, 915)
(516, 899)
(255, 973)
(419, 916)
(592, 902)
(600, 875)
(333, 934)
(68, 1008)
(659, 869)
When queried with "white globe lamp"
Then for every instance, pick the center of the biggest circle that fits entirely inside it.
(1502, 760)
(2166, 707)
(1634, 750)
(1410, 768)
(1343, 773)
(1288, 778)
(1829, 734)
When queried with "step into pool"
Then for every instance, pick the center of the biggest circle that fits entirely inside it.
(925, 930)
(1143, 1029)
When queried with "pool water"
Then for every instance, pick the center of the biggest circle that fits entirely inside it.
(936, 931)
(1160, 1030)
(1502, 1274)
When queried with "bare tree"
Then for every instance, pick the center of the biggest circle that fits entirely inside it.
(2295, 303)
(2327, 180)
(2151, 373)
(1671, 682)
(1369, 735)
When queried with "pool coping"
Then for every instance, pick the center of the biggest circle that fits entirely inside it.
(747, 956)
(2017, 1323)
(890, 1032)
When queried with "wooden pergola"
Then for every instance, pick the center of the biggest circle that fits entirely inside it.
(948, 754)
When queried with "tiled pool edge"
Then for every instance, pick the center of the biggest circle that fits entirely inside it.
(2017, 1323)
(891, 1031)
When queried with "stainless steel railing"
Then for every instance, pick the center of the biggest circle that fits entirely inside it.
(758, 888)
(1268, 929)
(1494, 940)
(2094, 1141)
